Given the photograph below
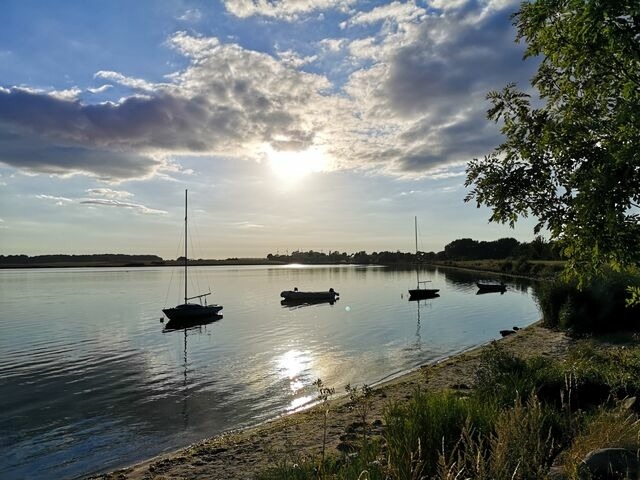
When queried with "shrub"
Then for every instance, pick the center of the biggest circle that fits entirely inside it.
(599, 307)
(505, 377)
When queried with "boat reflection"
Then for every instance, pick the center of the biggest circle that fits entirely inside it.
(191, 323)
(299, 303)
(482, 292)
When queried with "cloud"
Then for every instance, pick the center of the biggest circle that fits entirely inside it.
(57, 200)
(106, 202)
(294, 59)
(410, 100)
(134, 83)
(108, 193)
(333, 44)
(289, 10)
(398, 12)
(248, 225)
(100, 89)
(35, 153)
(191, 15)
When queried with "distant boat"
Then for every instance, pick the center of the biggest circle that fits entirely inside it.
(419, 293)
(485, 287)
(296, 296)
(190, 313)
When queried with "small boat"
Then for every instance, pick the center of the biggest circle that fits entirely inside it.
(491, 286)
(295, 295)
(190, 313)
(419, 293)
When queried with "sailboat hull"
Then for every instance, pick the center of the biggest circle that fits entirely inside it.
(191, 311)
(419, 293)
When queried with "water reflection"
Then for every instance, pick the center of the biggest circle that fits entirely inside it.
(194, 323)
(294, 367)
(189, 326)
(292, 304)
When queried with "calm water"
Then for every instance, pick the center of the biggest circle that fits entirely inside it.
(90, 381)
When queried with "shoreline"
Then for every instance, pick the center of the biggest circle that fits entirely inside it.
(241, 454)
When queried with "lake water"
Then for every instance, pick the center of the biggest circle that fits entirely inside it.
(89, 380)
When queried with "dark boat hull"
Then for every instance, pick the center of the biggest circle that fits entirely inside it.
(420, 293)
(294, 295)
(191, 311)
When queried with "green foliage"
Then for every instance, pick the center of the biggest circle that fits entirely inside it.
(602, 305)
(574, 162)
(504, 377)
(428, 424)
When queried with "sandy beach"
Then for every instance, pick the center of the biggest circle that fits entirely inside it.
(242, 454)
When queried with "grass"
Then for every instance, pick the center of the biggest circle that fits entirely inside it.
(521, 417)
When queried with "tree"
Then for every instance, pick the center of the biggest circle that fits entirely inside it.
(572, 159)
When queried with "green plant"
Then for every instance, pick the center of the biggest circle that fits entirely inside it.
(324, 394)
(429, 423)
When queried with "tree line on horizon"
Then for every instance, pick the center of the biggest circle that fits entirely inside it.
(460, 249)
(101, 258)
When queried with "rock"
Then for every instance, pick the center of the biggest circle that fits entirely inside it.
(610, 464)
(504, 333)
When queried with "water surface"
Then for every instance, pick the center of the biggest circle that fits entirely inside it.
(91, 381)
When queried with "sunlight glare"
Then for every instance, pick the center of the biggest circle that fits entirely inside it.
(292, 166)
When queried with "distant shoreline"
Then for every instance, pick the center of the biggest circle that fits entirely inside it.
(166, 263)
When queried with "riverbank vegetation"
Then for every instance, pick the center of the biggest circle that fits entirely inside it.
(523, 419)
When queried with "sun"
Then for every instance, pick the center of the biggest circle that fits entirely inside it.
(292, 166)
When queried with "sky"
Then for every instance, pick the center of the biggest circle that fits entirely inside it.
(295, 125)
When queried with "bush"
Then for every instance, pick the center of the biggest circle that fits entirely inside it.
(598, 307)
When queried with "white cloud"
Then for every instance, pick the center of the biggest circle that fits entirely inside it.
(294, 59)
(333, 44)
(398, 12)
(248, 225)
(100, 89)
(68, 94)
(289, 10)
(105, 202)
(191, 15)
(134, 83)
(108, 193)
(56, 200)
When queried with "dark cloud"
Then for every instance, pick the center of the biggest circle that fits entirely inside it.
(30, 153)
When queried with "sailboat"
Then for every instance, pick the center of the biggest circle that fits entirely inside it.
(190, 313)
(418, 292)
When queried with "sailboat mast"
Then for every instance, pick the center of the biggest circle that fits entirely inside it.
(185, 246)
(415, 222)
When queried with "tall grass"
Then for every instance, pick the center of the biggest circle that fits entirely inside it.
(416, 432)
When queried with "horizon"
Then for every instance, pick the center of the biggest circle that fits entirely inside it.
(294, 125)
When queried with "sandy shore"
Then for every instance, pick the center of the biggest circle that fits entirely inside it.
(240, 455)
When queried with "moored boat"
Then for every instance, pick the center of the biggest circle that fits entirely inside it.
(420, 293)
(190, 313)
(296, 295)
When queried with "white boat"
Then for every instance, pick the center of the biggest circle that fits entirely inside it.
(190, 313)
(419, 292)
